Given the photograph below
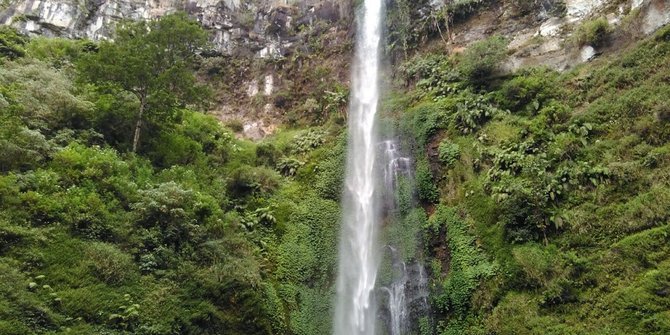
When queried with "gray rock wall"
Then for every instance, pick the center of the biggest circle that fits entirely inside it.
(266, 28)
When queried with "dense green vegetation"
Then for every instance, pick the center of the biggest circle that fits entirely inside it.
(195, 233)
(545, 196)
(551, 210)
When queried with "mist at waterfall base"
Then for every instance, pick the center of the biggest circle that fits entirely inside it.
(367, 304)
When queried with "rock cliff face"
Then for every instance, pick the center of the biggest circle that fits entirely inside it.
(546, 35)
(253, 41)
(265, 28)
(285, 43)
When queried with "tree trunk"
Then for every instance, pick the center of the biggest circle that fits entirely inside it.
(138, 125)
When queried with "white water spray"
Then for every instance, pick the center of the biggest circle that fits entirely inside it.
(355, 312)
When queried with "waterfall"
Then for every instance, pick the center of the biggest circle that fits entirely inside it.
(355, 311)
(403, 298)
(397, 306)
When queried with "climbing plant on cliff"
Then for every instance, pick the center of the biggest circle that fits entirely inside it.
(153, 61)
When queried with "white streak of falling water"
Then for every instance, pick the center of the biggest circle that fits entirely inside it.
(397, 306)
(355, 310)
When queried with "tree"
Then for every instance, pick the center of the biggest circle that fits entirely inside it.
(152, 60)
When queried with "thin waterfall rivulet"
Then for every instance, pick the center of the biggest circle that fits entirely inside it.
(355, 311)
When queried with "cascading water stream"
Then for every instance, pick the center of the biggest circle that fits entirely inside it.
(397, 306)
(355, 312)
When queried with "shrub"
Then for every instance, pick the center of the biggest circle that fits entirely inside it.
(288, 166)
(57, 51)
(207, 132)
(22, 148)
(170, 149)
(449, 153)
(532, 87)
(428, 67)
(330, 172)
(307, 141)
(109, 264)
(236, 125)
(313, 307)
(482, 58)
(78, 164)
(267, 154)
(87, 214)
(544, 269)
(425, 120)
(468, 265)
(172, 216)
(427, 189)
(523, 214)
(46, 96)
(246, 180)
(593, 32)
(472, 112)
(514, 315)
(296, 257)
(11, 43)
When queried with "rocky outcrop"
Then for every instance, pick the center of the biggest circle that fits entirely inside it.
(264, 28)
(292, 29)
(544, 36)
(259, 33)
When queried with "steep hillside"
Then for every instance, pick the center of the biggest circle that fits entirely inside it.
(539, 132)
(547, 192)
(197, 233)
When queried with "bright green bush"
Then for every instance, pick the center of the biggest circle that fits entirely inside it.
(267, 154)
(313, 307)
(58, 51)
(544, 269)
(288, 166)
(426, 186)
(482, 58)
(307, 141)
(514, 315)
(109, 264)
(529, 91)
(423, 121)
(449, 153)
(594, 32)
(92, 166)
(22, 148)
(46, 96)
(472, 111)
(87, 214)
(247, 180)
(172, 216)
(171, 149)
(12, 44)
(468, 266)
(330, 172)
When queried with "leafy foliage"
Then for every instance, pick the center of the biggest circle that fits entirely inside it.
(482, 58)
(195, 233)
(151, 61)
(468, 265)
(449, 152)
(12, 44)
(546, 219)
(594, 32)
